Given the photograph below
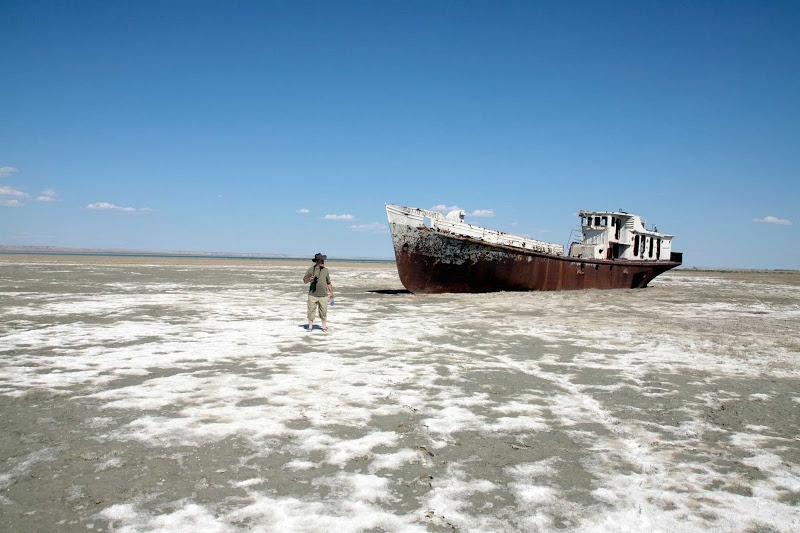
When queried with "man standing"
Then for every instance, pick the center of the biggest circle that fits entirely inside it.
(320, 279)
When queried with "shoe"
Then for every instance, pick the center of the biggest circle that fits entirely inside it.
(324, 329)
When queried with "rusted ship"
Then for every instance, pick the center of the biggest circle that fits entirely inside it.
(441, 253)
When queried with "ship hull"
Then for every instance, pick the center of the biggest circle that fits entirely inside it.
(430, 261)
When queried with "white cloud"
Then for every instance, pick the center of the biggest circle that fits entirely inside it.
(105, 206)
(303, 211)
(374, 227)
(773, 220)
(9, 196)
(7, 171)
(482, 213)
(339, 217)
(47, 195)
(8, 191)
(445, 209)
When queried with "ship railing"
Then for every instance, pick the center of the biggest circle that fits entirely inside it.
(438, 222)
(497, 237)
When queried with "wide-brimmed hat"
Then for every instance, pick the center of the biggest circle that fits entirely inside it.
(319, 256)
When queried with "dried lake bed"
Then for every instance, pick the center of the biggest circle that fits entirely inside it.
(181, 394)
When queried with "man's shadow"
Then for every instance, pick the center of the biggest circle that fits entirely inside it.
(390, 291)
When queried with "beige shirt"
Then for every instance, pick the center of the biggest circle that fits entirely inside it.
(320, 288)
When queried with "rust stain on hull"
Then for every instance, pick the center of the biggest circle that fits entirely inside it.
(429, 261)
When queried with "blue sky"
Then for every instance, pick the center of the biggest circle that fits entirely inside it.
(284, 127)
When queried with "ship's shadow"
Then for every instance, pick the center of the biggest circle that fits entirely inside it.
(390, 291)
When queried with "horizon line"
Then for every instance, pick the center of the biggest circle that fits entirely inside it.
(8, 249)
(67, 250)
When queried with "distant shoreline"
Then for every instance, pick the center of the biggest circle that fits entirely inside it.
(98, 252)
(47, 250)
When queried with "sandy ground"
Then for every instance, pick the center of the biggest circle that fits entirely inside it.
(143, 394)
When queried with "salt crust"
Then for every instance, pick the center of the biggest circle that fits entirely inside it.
(371, 367)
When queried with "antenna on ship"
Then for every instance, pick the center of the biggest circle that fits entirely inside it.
(571, 233)
(577, 230)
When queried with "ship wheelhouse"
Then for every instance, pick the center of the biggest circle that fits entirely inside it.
(619, 235)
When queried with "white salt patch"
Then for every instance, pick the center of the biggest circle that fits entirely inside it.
(24, 465)
(532, 494)
(453, 418)
(124, 512)
(356, 510)
(268, 515)
(298, 464)
(605, 495)
(515, 425)
(342, 452)
(395, 460)
(781, 476)
(189, 519)
(530, 471)
(247, 482)
(518, 407)
(114, 462)
(99, 421)
(448, 501)
(365, 487)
